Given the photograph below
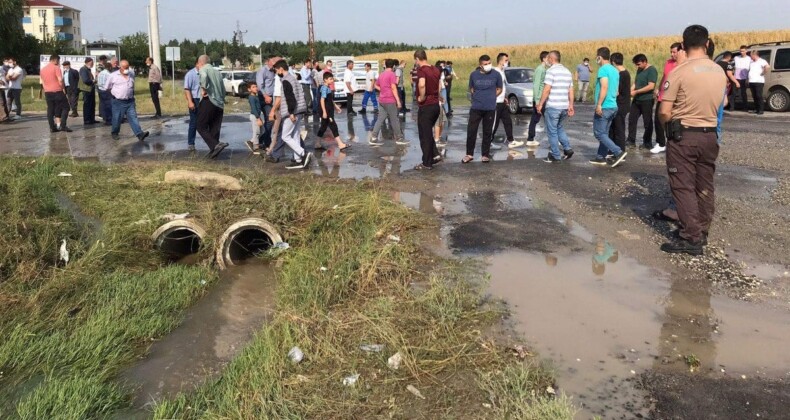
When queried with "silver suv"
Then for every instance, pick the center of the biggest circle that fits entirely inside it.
(777, 81)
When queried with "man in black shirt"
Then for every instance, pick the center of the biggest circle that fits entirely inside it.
(728, 65)
(617, 131)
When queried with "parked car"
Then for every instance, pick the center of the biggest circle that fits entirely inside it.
(243, 89)
(518, 88)
(777, 81)
(232, 80)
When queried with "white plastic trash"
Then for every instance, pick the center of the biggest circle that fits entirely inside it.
(296, 355)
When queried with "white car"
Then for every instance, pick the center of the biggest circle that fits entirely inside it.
(233, 80)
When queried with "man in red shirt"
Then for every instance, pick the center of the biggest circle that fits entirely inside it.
(55, 93)
(661, 139)
(428, 101)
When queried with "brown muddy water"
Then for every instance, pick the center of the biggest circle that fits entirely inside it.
(214, 331)
(601, 318)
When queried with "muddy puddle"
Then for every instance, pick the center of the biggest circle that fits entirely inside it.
(214, 331)
(599, 316)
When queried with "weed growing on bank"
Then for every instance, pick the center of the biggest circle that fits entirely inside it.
(70, 329)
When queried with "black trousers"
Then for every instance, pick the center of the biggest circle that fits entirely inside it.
(349, 101)
(402, 94)
(642, 109)
(744, 89)
(73, 100)
(757, 96)
(89, 106)
(15, 98)
(154, 88)
(329, 123)
(503, 114)
(731, 97)
(617, 129)
(57, 106)
(661, 137)
(450, 97)
(476, 116)
(533, 122)
(209, 122)
(426, 119)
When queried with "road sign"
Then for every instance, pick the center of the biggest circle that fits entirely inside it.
(173, 53)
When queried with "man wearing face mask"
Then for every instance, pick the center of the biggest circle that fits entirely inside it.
(121, 87)
(502, 112)
(557, 97)
(212, 106)
(292, 109)
(485, 85)
(537, 91)
(582, 77)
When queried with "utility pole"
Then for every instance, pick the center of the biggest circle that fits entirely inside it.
(310, 31)
(155, 54)
(238, 34)
(148, 20)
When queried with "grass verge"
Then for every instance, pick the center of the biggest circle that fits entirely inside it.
(69, 330)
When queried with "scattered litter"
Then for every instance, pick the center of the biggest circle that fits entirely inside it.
(335, 207)
(296, 355)
(416, 392)
(394, 361)
(722, 370)
(324, 269)
(302, 378)
(578, 360)
(372, 348)
(743, 376)
(550, 390)
(202, 282)
(64, 174)
(394, 238)
(350, 380)
(633, 372)
(282, 245)
(486, 405)
(174, 216)
(628, 235)
(141, 222)
(64, 252)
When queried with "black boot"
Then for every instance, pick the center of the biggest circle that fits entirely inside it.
(682, 246)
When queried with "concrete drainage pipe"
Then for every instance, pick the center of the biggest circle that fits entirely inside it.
(244, 240)
(179, 238)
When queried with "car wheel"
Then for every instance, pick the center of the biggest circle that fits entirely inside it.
(513, 106)
(779, 100)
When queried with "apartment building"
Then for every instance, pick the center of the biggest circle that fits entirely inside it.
(47, 19)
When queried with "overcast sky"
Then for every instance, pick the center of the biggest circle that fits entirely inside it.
(438, 22)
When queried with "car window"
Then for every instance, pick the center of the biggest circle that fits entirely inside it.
(225, 75)
(765, 55)
(241, 75)
(782, 60)
(519, 75)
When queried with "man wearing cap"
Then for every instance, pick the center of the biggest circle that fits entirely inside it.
(692, 95)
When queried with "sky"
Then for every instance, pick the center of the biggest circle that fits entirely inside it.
(431, 23)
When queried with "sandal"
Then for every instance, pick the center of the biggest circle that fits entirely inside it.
(348, 146)
(467, 159)
(422, 167)
(486, 159)
(659, 215)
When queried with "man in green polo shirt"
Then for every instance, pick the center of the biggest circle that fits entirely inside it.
(537, 91)
(642, 104)
(212, 106)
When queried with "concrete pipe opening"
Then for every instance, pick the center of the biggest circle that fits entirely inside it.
(179, 239)
(244, 240)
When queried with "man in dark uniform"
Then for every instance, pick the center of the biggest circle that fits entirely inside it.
(692, 95)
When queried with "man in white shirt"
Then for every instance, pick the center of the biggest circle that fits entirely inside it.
(370, 91)
(502, 111)
(350, 86)
(742, 64)
(4, 114)
(15, 76)
(757, 70)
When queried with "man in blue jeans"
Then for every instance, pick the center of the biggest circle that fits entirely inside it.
(192, 94)
(606, 86)
(121, 87)
(556, 104)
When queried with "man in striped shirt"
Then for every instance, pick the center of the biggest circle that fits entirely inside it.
(556, 103)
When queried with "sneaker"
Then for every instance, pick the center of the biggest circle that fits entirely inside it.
(599, 161)
(375, 142)
(250, 145)
(515, 143)
(568, 154)
(551, 159)
(402, 142)
(295, 165)
(115, 136)
(307, 159)
(658, 149)
(375, 110)
(217, 150)
(533, 143)
(191, 148)
(143, 135)
(682, 246)
(363, 111)
(351, 113)
(496, 146)
(618, 159)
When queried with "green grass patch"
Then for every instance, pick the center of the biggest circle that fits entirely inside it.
(69, 330)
